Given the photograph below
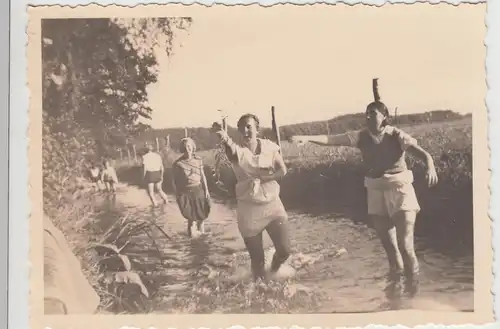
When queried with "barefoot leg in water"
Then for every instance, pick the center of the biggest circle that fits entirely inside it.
(151, 193)
(255, 248)
(279, 233)
(405, 226)
(386, 232)
(160, 191)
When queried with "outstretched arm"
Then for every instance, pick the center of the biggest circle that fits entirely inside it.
(346, 139)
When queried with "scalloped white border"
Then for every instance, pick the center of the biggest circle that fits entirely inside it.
(19, 95)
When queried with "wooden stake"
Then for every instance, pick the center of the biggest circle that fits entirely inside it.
(275, 127)
(157, 145)
(168, 142)
(135, 153)
(376, 95)
(185, 132)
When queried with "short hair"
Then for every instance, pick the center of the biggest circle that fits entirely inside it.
(184, 141)
(247, 116)
(382, 108)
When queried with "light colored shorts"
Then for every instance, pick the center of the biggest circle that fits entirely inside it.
(390, 194)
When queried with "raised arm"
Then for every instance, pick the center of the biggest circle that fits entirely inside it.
(233, 151)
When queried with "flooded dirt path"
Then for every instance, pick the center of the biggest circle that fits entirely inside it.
(333, 258)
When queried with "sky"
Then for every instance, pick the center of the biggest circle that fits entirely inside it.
(316, 64)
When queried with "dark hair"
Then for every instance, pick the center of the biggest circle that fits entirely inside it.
(382, 108)
(247, 116)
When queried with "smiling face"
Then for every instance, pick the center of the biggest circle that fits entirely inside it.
(248, 128)
(188, 147)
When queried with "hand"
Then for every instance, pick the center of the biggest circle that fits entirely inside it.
(431, 176)
(222, 135)
(207, 195)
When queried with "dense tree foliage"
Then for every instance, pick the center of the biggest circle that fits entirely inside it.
(95, 73)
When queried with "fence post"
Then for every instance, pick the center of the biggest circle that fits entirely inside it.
(135, 153)
(185, 132)
(157, 145)
(276, 128)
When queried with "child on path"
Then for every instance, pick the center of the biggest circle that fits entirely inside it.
(392, 203)
(108, 176)
(190, 186)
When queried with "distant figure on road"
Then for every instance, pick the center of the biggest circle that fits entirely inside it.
(392, 203)
(108, 176)
(190, 185)
(95, 175)
(153, 171)
(257, 166)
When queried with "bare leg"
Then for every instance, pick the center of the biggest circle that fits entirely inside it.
(405, 227)
(256, 250)
(160, 191)
(278, 232)
(189, 228)
(387, 234)
(151, 193)
(201, 226)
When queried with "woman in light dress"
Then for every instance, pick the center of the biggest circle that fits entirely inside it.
(392, 203)
(190, 186)
(258, 166)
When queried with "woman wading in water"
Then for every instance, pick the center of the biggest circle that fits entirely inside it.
(392, 203)
(190, 185)
(257, 166)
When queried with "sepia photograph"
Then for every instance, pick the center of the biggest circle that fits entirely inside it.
(252, 160)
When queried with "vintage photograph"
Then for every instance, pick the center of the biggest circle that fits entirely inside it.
(255, 160)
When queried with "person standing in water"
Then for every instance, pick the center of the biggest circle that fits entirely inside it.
(95, 175)
(257, 167)
(153, 170)
(108, 176)
(190, 186)
(392, 202)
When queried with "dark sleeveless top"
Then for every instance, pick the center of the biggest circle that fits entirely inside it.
(381, 157)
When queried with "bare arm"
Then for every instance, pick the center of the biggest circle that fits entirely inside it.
(174, 186)
(204, 179)
(420, 153)
(232, 150)
(346, 139)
